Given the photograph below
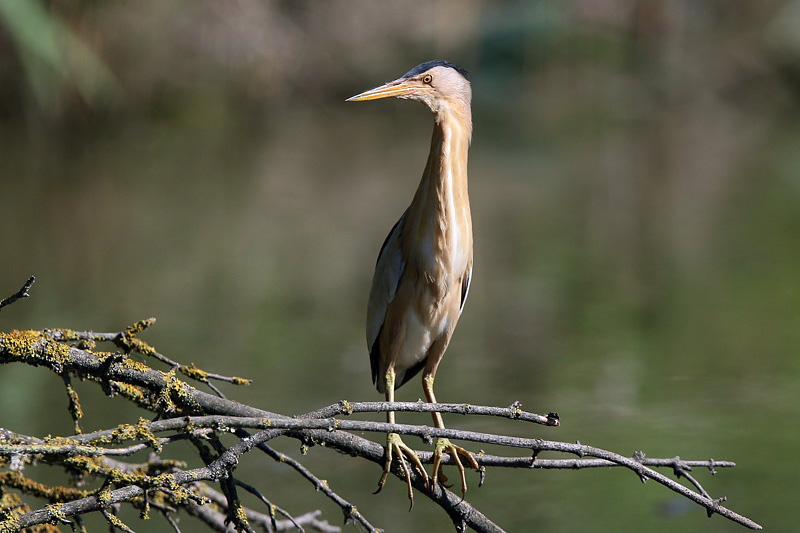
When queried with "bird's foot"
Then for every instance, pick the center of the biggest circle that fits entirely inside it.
(396, 446)
(444, 445)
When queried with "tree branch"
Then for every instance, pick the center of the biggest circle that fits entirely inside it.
(187, 413)
(513, 412)
(20, 294)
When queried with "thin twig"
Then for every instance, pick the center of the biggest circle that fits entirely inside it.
(171, 522)
(310, 519)
(575, 464)
(127, 341)
(514, 411)
(350, 511)
(20, 294)
(114, 521)
(271, 507)
(75, 410)
(42, 448)
(681, 469)
(236, 514)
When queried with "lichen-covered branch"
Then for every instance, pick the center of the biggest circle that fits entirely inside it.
(128, 341)
(186, 413)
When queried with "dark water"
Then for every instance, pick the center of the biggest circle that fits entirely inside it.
(256, 258)
(636, 270)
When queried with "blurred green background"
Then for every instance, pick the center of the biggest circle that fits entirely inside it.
(635, 188)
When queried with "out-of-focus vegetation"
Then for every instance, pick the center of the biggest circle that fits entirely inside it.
(635, 183)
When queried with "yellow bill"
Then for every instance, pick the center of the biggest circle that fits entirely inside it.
(395, 88)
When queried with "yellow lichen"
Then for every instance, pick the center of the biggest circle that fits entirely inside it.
(140, 346)
(57, 511)
(132, 364)
(104, 497)
(11, 508)
(66, 334)
(123, 433)
(193, 372)
(140, 326)
(143, 432)
(56, 350)
(75, 409)
(240, 512)
(132, 392)
(176, 393)
(115, 521)
(346, 407)
(15, 480)
(130, 342)
(35, 348)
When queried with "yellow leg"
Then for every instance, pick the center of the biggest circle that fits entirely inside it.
(444, 445)
(396, 446)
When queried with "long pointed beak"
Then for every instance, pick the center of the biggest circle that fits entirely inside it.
(401, 87)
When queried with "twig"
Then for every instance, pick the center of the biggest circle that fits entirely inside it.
(310, 520)
(75, 410)
(681, 469)
(217, 519)
(171, 522)
(209, 516)
(514, 411)
(128, 341)
(578, 464)
(236, 513)
(114, 521)
(20, 294)
(350, 511)
(271, 507)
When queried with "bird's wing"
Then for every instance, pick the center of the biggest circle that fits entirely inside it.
(388, 271)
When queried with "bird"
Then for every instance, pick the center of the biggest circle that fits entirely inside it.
(424, 268)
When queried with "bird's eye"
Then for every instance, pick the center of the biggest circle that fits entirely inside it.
(427, 79)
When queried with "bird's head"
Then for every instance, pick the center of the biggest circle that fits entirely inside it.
(438, 84)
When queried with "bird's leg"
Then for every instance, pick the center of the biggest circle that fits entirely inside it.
(395, 445)
(444, 445)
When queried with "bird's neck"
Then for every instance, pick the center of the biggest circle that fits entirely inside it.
(446, 169)
(440, 210)
(447, 161)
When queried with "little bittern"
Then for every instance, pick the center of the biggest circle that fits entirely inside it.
(424, 268)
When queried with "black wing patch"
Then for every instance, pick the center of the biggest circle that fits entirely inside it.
(411, 372)
(375, 361)
(465, 288)
(375, 350)
(386, 240)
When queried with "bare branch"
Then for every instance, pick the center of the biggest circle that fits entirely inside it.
(20, 294)
(350, 511)
(127, 341)
(271, 507)
(514, 411)
(267, 521)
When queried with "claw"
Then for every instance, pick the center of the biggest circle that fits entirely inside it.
(443, 445)
(395, 445)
